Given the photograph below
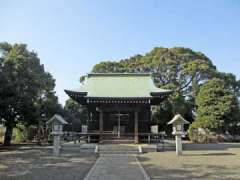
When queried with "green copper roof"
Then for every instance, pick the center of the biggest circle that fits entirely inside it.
(119, 85)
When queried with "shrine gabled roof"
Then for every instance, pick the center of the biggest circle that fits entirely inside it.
(118, 85)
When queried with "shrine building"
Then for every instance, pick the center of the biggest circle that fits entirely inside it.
(119, 104)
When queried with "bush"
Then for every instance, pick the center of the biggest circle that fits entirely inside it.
(20, 133)
(194, 134)
(31, 132)
(2, 132)
(198, 134)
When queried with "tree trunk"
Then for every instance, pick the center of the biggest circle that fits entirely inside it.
(8, 135)
(39, 135)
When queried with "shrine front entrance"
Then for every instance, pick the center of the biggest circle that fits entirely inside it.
(119, 123)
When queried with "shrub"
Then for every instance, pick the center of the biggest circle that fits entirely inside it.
(2, 132)
(20, 133)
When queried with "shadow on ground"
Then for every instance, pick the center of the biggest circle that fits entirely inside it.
(37, 163)
(201, 164)
(210, 146)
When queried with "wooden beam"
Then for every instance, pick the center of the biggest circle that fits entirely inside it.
(100, 124)
(136, 140)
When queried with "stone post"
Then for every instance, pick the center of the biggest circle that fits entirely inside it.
(178, 130)
(56, 144)
(56, 123)
(178, 139)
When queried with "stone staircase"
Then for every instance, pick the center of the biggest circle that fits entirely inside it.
(118, 149)
(115, 140)
(88, 148)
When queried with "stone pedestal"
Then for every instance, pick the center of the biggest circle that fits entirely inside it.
(56, 144)
(178, 139)
(178, 130)
(56, 122)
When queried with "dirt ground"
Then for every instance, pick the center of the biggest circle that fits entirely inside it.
(220, 161)
(25, 163)
(223, 163)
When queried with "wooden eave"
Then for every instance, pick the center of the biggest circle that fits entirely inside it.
(83, 99)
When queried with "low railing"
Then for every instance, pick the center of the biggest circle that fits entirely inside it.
(157, 138)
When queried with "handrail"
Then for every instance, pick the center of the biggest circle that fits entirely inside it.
(109, 133)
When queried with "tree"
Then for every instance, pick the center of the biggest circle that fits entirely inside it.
(231, 82)
(179, 69)
(25, 87)
(217, 107)
(182, 70)
(76, 113)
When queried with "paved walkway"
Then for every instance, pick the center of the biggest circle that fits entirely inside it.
(117, 167)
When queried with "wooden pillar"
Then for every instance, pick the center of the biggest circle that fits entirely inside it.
(149, 138)
(88, 119)
(136, 127)
(100, 124)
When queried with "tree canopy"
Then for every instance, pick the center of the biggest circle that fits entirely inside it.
(26, 89)
(180, 69)
(27, 93)
(217, 106)
(76, 113)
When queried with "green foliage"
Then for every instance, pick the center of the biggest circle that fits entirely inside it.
(197, 136)
(185, 71)
(20, 133)
(217, 107)
(108, 66)
(76, 115)
(2, 132)
(193, 131)
(231, 82)
(26, 90)
(180, 69)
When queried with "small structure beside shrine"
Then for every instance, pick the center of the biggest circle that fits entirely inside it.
(119, 105)
(178, 130)
(56, 123)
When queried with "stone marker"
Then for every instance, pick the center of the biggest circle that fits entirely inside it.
(178, 130)
(56, 122)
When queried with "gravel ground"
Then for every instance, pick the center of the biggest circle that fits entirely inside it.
(25, 163)
(33, 162)
(194, 164)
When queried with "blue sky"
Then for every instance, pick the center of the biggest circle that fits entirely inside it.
(71, 36)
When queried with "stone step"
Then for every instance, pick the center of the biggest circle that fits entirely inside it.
(116, 138)
(79, 147)
(119, 152)
(118, 149)
(118, 141)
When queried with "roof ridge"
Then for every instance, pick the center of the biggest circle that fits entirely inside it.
(119, 74)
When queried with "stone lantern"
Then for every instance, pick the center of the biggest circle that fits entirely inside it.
(56, 123)
(178, 130)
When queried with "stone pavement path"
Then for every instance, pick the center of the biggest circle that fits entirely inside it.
(117, 167)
